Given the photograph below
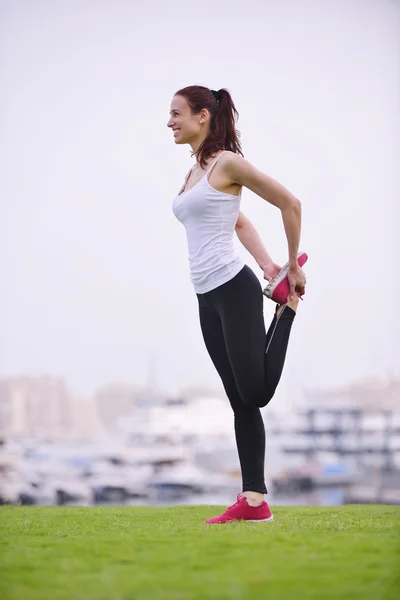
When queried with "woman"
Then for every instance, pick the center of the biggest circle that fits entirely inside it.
(248, 360)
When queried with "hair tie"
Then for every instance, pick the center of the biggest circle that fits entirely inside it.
(216, 95)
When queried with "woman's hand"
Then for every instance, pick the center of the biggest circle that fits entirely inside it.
(271, 270)
(297, 282)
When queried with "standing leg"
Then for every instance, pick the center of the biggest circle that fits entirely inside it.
(249, 425)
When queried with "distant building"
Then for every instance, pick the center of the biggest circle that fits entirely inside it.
(44, 408)
(35, 406)
(366, 394)
(118, 400)
(199, 391)
(86, 421)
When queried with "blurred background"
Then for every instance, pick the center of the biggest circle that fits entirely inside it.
(107, 394)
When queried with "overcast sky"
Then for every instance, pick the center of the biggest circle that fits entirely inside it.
(94, 271)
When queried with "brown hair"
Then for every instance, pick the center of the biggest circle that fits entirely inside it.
(223, 133)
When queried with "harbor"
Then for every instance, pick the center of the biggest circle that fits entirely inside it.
(169, 452)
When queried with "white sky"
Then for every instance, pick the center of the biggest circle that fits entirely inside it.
(93, 264)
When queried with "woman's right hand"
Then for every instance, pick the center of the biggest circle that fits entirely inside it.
(297, 282)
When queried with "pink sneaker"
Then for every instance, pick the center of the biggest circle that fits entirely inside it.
(278, 289)
(242, 511)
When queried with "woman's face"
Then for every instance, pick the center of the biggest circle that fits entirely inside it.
(185, 125)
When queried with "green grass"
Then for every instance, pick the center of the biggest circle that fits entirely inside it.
(134, 553)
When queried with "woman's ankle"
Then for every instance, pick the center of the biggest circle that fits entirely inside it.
(254, 498)
(293, 304)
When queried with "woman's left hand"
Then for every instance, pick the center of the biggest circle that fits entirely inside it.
(271, 271)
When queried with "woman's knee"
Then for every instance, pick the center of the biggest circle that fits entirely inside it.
(258, 402)
(257, 396)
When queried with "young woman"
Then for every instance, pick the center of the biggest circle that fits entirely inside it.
(248, 360)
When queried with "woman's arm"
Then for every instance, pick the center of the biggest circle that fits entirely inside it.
(240, 171)
(250, 239)
(243, 173)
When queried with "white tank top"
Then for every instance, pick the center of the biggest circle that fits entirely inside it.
(209, 217)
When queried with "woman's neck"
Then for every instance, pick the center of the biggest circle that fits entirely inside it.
(209, 161)
(195, 144)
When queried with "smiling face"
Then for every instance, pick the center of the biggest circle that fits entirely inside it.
(187, 127)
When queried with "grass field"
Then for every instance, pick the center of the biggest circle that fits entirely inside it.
(132, 553)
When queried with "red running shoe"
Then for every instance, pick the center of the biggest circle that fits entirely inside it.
(242, 511)
(278, 289)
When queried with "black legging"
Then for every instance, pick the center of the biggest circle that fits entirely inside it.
(248, 360)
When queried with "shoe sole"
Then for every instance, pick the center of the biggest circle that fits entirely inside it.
(268, 291)
(271, 518)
